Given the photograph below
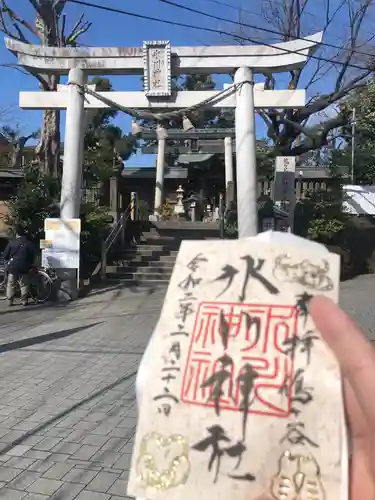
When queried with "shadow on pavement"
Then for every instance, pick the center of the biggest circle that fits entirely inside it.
(66, 412)
(16, 309)
(19, 344)
(118, 286)
(88, 351)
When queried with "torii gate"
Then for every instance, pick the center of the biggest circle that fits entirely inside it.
(157, 61)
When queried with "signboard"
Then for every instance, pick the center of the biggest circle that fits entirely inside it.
(45, 244)
(62, 244)
(284, 193)
(286, 164)
(157, 68)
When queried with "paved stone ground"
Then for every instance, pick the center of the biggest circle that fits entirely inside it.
(67, 402)
(357, 297)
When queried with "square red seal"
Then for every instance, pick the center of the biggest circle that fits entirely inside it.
(257, 337)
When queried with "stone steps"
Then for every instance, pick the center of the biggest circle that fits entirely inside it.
(151, 261)
(145, 252)
(138, 277)
(149, 270)
(146, 259)
(146, 264)
(132, 282)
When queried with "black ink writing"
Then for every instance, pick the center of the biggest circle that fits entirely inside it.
(175, 349)
(224, 327)
(189, 282)
(186, 308)
(302, 304)
(224, 330)
(217, 437)
(167, 395)
(181, 331)
(165, 409)
(169, 370)
(217, 381)
(228, 274)
(250, 322)
(194, 263)
(246, 381)
(301, 394)
(304, 343)
(295, 435)
(243, 477)
(253, 271)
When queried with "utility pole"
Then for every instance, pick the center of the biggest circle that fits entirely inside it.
(354, 123)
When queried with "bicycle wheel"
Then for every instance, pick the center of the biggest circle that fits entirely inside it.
(41, 287)
(3, 281)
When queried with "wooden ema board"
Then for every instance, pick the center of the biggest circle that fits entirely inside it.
(241, 399)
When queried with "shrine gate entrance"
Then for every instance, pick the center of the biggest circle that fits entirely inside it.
(157, 62)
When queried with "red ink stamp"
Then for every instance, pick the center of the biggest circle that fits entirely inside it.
(257, 335)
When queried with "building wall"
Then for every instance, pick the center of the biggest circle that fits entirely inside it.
(8, 188)
(3, 212)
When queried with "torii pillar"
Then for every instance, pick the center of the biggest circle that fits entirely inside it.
(73, 147)
(246, 154)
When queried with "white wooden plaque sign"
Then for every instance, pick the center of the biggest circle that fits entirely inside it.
(157, 68)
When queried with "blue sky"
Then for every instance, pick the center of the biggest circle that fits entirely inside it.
(109, 29)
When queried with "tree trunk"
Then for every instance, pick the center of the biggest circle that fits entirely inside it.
(49, 28)
(48, 149)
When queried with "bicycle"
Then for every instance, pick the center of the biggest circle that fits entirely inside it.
(41, 282)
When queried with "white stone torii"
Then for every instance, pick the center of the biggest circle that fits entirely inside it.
(180, 100)
(158, 61)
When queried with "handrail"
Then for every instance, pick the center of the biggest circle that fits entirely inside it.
(117, 229)
(112, 237)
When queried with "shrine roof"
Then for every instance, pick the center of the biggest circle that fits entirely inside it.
(188, 158)
(150, 172)
(176, 172)
(14, 173)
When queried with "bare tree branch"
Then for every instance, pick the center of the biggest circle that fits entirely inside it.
(295, 19)
(356, 21)
(62, 31)
(49, 28)
(16, 19)
(36, 5)
(14, 66)
(320, 138)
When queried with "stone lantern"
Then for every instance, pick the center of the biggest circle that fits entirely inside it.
(179, 207)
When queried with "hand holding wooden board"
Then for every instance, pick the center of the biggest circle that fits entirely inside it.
(243, 399)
